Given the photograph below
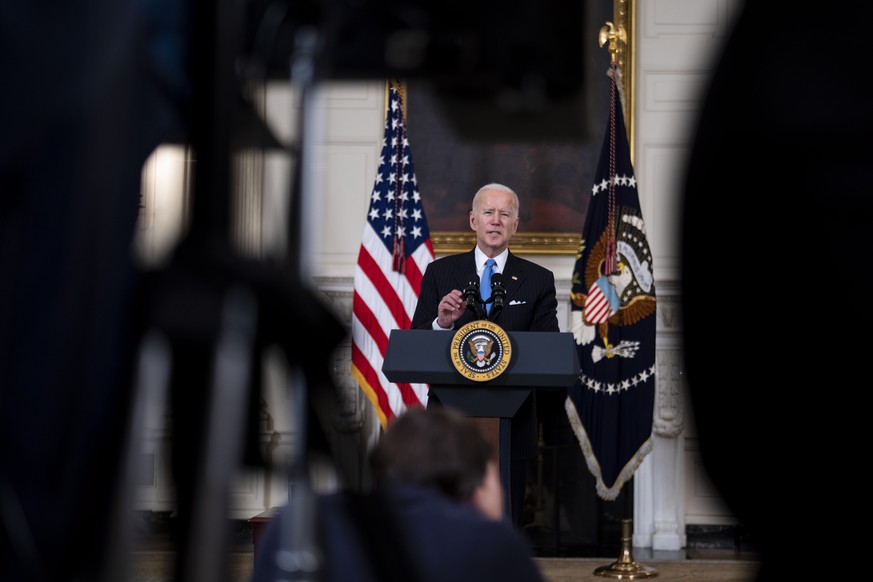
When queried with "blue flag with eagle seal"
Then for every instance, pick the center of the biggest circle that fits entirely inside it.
(611, 405)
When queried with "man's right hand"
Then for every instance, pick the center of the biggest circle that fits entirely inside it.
(450, 309)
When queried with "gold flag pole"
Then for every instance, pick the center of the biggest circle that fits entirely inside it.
(400, 85)
(625, 568)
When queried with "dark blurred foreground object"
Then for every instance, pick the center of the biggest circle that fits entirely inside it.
(775, 235)
(88, 96)
(98, 88)
(502, 69)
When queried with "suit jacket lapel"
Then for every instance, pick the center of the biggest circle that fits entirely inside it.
(513, 274)
(465, 270)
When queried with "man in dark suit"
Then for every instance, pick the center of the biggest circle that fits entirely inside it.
(530, 305)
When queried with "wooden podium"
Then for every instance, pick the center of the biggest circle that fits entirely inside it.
(540, 361)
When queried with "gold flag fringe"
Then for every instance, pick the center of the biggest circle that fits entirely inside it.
(604, 492)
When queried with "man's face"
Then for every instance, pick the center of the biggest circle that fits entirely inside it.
(494, 220)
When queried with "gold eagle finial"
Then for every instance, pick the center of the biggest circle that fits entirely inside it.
(611, 33)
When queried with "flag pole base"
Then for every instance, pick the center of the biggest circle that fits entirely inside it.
(625, 568)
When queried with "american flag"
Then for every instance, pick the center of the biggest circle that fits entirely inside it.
(395, 250)
(611, 406)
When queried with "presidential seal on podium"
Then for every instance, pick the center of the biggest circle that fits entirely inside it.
(481, 350)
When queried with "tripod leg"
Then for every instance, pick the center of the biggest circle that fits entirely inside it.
(208, 535)
(146, 417)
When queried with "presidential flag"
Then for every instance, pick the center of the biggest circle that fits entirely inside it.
(610, 407)
(395, 250)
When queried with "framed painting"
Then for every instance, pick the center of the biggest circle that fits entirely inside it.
(553, 178)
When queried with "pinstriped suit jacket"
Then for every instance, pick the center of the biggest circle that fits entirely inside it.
(530, 305)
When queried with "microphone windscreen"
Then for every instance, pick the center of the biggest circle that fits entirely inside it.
(471, 293)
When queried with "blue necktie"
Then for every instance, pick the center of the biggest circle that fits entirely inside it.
(486, 282)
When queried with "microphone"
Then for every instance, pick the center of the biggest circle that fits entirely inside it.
(471, 295)
(474, 300)
(498, 292)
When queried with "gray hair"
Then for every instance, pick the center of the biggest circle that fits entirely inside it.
(499, 187)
